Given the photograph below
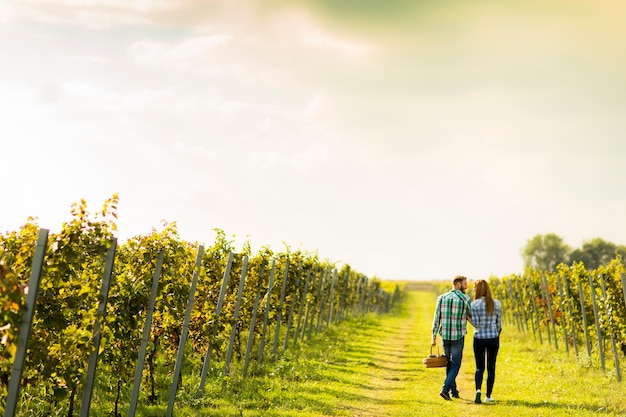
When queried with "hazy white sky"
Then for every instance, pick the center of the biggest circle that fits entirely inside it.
(409, 139)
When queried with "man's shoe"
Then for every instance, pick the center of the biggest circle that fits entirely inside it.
(489, 400)
(455, 395)
(445, 395)
(477, 399)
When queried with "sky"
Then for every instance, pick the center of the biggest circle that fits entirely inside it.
(409, 139)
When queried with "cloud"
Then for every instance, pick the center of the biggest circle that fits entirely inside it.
(99, 14)
(7, 12)
(194, 152)
(50, 92)
(273, 51)
(294, 29)
(202, 55)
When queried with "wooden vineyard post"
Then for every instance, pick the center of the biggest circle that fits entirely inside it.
(332, 298)
(610, 323)
(544, 298)
(146, 335)
(268, 303)
(584, 314)
(301, 307)
(279, 315)
(571, 315)
(343, 304)
(532, 294)
(183, 337)
(97, 335)
(321, 299)
(597, 319)
(533, 312)
(294, 300)
(255, 308)
(549, 301)
(521, 304)
(218, 311)
(623, 276)
(514, 306)
(25, 326)
(312, 307)
(233, 329)
(563, 321)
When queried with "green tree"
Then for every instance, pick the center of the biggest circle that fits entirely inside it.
(596, 252)
(545, 252)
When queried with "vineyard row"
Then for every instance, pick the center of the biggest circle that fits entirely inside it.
(76, 302)
(575, 308)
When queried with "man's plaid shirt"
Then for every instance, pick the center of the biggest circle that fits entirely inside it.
(451, 315)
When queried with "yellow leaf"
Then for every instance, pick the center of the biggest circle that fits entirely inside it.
(12, 348)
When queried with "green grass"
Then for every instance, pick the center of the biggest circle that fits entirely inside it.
(373, 367)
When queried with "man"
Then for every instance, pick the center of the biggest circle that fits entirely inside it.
(450, 321)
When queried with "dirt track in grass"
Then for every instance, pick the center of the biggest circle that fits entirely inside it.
(389, 379)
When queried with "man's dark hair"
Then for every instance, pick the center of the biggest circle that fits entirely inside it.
(458, 279)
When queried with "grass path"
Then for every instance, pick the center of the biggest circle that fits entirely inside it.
(382, 374)
(372, 367)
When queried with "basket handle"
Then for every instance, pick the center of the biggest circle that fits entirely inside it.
(431, 350)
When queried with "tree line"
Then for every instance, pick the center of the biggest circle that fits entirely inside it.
(546, 252)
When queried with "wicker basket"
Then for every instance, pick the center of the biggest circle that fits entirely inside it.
(435, 361)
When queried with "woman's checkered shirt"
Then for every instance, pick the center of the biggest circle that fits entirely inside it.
(487, 327)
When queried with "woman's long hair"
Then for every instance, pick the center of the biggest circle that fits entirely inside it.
(481, 289)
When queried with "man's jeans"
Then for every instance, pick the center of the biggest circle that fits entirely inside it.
(453, 349)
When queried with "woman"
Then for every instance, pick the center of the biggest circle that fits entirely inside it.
(487, 320)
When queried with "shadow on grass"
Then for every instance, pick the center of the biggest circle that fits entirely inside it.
(553, 405)
(351, 377)
(377, 398)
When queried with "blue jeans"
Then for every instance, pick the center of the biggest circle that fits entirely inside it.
(453, 349)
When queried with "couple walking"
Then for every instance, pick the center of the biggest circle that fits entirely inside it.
(454, 309)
